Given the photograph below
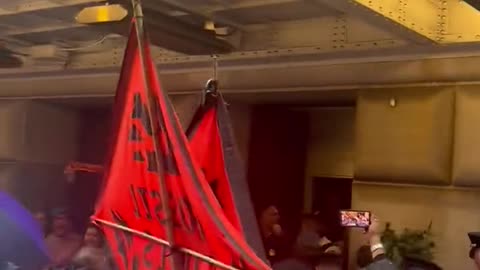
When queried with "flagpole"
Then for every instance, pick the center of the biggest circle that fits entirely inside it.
(139, 29)
(160, 241)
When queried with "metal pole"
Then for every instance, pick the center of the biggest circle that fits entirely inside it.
(215, 67)
(160, 241)
(138, 14)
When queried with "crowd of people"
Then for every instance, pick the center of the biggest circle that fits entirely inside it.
(68, 249)
(311, 246)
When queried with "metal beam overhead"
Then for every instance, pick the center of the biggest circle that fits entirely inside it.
(422, 21)
(417, 20)
(205, 15)
(460, 23)
(330, 74)
(248, 4)
(298, 29)
(37, 5)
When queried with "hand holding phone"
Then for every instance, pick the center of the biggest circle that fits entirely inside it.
(355, 219)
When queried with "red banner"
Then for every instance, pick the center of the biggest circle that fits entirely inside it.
(213, 145)
(132, 197)
(207, 150)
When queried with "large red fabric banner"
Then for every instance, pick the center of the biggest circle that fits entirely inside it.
(130, 206)
(207, 149)
(213, 145)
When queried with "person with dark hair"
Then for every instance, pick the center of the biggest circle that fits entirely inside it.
(62, 243)
(364, 257)
(475, 248)
(274, 239)
(310, 241)
(94, 254)
(42, 220)
(312, 247)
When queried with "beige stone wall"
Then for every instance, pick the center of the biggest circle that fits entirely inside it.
(36, 141)
(453, 211)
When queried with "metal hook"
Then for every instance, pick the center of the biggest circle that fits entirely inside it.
(211, 87)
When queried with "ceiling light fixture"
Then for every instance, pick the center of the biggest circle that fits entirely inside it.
(392, 102)
(101, 14)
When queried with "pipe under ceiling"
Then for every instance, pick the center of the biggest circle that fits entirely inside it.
(247, 80)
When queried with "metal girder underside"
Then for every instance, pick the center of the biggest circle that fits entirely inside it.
(439, 21)
(25, 23)
(329, 34)
(173, 33)
(308, 74)
(321, 30)
(12, 8)
(319, 27)
(459, 22)
(414, 20)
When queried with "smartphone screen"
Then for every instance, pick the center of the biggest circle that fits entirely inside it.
(355, 218)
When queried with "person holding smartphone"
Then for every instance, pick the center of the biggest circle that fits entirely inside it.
(379, 260)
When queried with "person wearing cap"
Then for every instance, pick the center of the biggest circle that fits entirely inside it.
(475, 247)
(62, 243)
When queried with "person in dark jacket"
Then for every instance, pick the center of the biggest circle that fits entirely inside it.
(379, 260)
(364, 257)
(274, 239)
(418, 264)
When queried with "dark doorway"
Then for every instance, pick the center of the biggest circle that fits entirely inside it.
(330, 195)
(276, 164)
